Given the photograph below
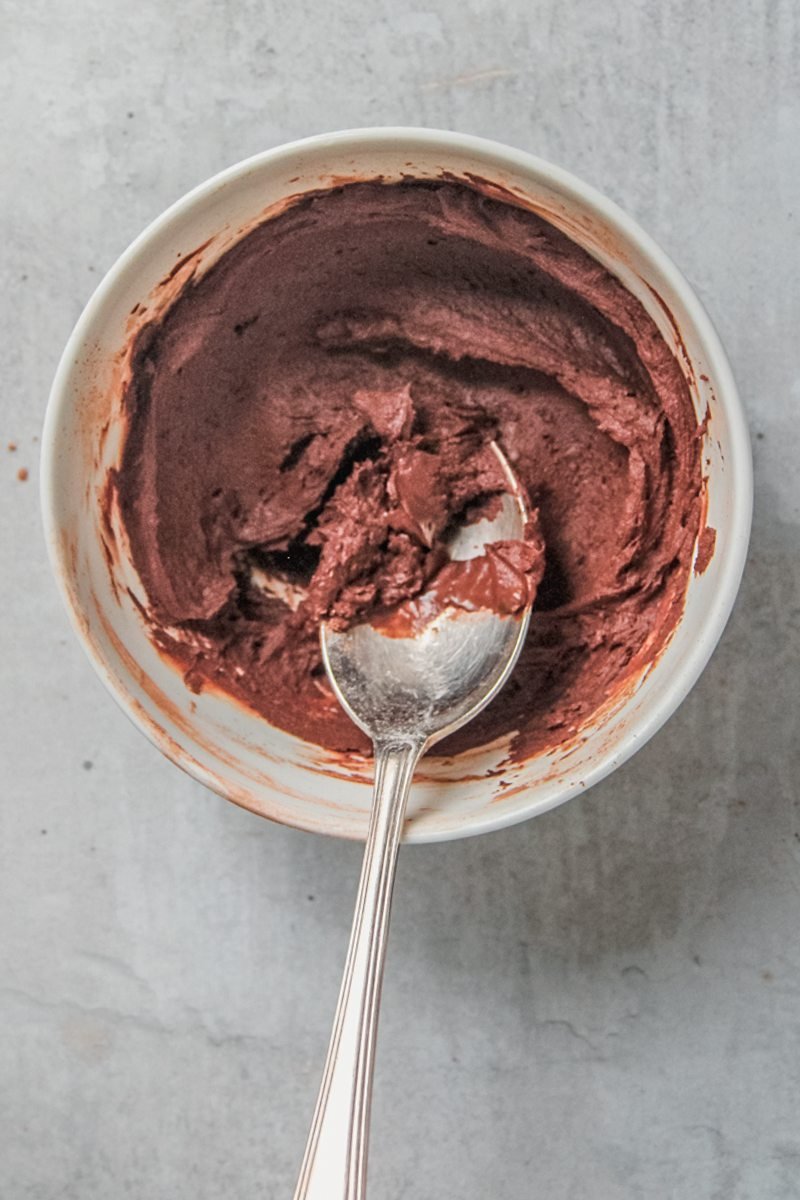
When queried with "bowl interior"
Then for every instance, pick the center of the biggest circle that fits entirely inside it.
(218, 741)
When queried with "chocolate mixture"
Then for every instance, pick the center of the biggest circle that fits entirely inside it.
(309, 419)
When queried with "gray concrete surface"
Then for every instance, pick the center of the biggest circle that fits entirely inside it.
(602, 1004)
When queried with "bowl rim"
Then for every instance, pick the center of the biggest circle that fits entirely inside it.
(679, 683)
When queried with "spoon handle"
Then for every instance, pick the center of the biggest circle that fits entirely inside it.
(335, 1162)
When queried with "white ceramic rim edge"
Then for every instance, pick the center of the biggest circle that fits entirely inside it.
(686, 675)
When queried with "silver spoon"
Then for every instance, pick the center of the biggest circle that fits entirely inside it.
(406, 693)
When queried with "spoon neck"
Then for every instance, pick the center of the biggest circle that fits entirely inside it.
(398, 746)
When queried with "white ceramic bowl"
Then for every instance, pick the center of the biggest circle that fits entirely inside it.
(214, 738)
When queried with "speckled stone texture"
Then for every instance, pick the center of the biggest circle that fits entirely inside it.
(603, 1003)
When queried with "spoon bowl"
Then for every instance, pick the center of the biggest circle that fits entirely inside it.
(430, 684)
